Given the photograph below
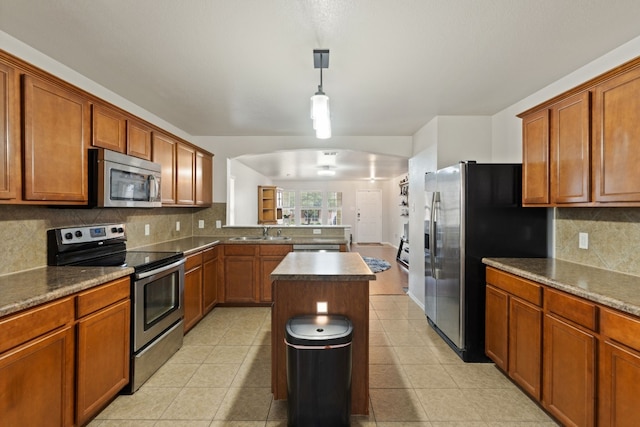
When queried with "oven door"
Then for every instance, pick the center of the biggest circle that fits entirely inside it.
(157, 302)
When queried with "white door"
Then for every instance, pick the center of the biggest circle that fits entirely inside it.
(369, 216)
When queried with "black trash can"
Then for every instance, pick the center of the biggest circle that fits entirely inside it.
(318, 370)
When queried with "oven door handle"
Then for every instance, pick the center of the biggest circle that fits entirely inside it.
(159, 270)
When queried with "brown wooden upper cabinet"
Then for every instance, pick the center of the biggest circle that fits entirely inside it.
(10, 179)
(186, 175)
(109, 129)
(57, 123)
(617, 139)
(582, 147)
(118, 132)
(204, 179)
(138, 139)
(164, 152)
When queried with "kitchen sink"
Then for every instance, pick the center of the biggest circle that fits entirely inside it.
(247, 238)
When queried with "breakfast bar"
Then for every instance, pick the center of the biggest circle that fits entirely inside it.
(339, 279)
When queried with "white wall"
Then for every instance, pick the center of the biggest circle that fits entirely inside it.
(229, 147)
(442, 142)
(246, 192)
(507, 128)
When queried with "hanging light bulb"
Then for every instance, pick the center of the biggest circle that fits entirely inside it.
(320, 113)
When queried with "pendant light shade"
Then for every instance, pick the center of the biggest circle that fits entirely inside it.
(320, 113)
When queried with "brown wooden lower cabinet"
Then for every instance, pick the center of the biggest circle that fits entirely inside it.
(241, 274)
(192, 291)
(210, 279)
(270, 257)
(102, 341)
(569, 372)
(591, 354)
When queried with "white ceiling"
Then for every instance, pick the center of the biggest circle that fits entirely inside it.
(245, 67)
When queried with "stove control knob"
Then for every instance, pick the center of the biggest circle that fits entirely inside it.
(68, 236)
(78, 233)
(114, 229)
(120, 230)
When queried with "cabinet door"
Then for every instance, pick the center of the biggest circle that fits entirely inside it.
(569, 374)
(36, 380)
(192, 291)
(186, 163)
(204, 179)
(57, 125)
(497, 326)
(210, 279)
(103, 358)
(619, 385)
(164, 152)
(109, 129)
(267, 265)
(616, 153)
(570, 149)
(240, 279)
(9, 134)
(525, 345)
(138, 139)
(535, 158)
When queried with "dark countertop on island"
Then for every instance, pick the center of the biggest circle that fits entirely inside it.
(323, 266)
(609, 288)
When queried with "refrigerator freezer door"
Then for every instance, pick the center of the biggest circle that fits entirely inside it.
(448, 252)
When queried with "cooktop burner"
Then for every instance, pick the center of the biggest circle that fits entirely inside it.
(101, 246)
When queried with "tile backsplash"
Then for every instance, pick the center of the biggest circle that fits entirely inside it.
(614, 237)
(23, 241)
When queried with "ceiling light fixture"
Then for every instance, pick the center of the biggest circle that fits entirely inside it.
(320, 113)
(326, 171)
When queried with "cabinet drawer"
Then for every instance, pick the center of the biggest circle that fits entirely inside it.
(621, 327)
(102, 296)
(576, 309)
(22, 327)
(275, 249)
(249, 250)
(522, 288)
(193, 261)
(209, 254)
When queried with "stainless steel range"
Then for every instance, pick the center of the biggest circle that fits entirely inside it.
(157, 289)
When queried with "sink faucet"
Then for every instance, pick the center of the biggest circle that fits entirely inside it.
(265, 231)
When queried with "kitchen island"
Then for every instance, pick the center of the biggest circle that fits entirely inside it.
(341, 279)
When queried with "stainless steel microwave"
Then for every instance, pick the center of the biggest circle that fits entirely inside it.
(120, 181)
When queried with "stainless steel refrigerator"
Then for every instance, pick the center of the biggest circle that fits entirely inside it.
(473, 211)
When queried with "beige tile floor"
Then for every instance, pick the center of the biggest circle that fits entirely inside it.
(221, 377)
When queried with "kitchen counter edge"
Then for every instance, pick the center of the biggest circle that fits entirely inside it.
(608, 288)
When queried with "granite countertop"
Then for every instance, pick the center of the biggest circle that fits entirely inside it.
(323, 266)
(30, 288)
(26, 289)
(609, 288)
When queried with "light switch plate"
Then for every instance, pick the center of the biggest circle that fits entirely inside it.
(317, 231)
(146, 230)
(218, 223)
(177, 225)
(583, 240)
(201, 223)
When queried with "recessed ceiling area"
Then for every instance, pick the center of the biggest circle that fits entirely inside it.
(304, 165)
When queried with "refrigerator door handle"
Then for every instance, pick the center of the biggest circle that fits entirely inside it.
(435, 198)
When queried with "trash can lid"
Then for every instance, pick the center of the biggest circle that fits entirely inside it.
(319, 330)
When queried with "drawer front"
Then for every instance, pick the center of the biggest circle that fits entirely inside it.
(249, 250)
(193, 261)
(209, 254)
(522, 288)
(275, 249)
(99, 297)
(19, 328)
(621, 327)
(576, 309)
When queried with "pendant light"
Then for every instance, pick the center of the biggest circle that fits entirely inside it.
(320, 113)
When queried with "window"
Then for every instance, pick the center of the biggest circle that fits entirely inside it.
(314, 207)
(334, 208)
(310, 207)
(289, 207)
